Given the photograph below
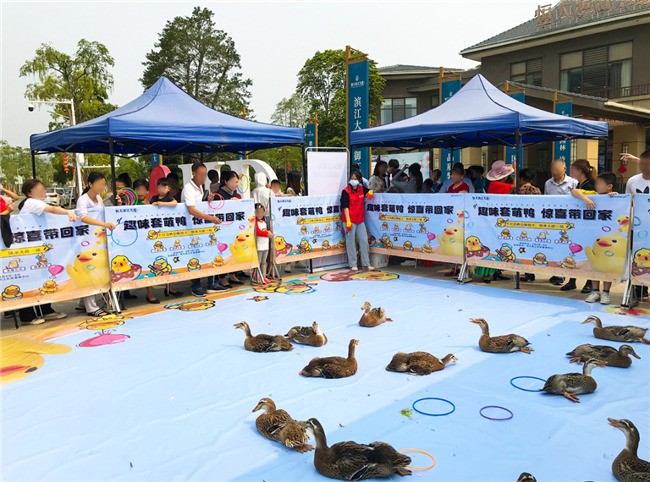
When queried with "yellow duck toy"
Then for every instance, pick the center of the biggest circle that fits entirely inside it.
(642, 258)
(120, 264)
(608, 254)
(22, 356)
(49, 286)
(451, 241)
(473, 244)
(243, 249)
(90, 268)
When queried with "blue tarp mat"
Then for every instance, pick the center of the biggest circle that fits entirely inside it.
(479, 114)
(174, 401)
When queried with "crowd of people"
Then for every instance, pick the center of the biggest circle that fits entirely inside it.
(387, 177)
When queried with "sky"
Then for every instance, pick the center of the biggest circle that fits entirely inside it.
(273, 39)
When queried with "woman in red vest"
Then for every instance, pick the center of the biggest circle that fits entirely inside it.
(352, 214)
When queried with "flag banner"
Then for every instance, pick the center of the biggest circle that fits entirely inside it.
(358, 109)
(447, 159)
(306, 227)
(153, 245)
(310, 135)
(51, 259)
(555, 235)
(422, 226)
(641, 241)
(562, 149)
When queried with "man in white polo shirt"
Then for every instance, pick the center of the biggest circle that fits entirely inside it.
(559, 183)
(193, 194)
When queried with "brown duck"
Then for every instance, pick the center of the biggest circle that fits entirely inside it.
(277, 425)
(307, 335)
(572, 384)
(372, 316)
(608, 354)
(500, 344)
(353, 461)
(263, 343)
(333, 366)
(419, 363)
(625, 334)
(628, 467)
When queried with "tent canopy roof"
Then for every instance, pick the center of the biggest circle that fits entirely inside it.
(479, 114)
(166, 120)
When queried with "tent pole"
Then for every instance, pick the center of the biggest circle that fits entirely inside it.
(516, 166)
(113, 183)
(33, 165)
(304, 165)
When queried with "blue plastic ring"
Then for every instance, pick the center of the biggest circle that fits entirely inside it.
(500, 419)
(527, 389)
(453, 407)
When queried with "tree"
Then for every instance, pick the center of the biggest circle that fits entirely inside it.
(321, 83)
(83, 77)
(292, 112)
(17, 165)
(202, 60)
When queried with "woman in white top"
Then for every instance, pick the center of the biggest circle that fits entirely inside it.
(34, 190)
(92, 199)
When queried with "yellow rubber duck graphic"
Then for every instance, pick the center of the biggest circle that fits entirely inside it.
(13, 264)
(408, 246)
(505, 233)
(49, 286)
(316, 229)
(608, 254)
(152, 234)
(451, 241)
(542, 235)
(506, 254)
(21, 356)
(341, 244)
(177, 244)
(304, 246)
(193, 264)
(160, 266)
(384, 226)
(217, 261)
(426, 248)
(642, 258)
(472, 243)
(41, 261)
(386, 242)
(243, 248)
(303, 229)
(120, 264)
(281, 247)
(90, 268)
(158, 246)
(325, 246)
(194, 242)
(11, 293)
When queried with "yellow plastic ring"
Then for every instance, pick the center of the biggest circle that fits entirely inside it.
(423, 453)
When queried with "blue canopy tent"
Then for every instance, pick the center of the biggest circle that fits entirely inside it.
(478, 115)
(164, 120)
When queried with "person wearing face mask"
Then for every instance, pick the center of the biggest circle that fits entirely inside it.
(352, 215)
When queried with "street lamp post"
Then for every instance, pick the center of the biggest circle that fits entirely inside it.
(79, 157)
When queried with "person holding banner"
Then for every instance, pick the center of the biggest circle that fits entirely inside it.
(352, 214)
(193, 194)
(639, 183)
(92, 199)
(35, 204)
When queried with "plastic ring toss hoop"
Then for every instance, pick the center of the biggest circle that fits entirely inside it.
(128, 196)
(428, 467)
(453, 407)
(496, 419)
(512, 382)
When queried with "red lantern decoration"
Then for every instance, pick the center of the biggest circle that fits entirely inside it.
(65, 162)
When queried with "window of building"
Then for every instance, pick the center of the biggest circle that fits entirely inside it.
(393, 110)
(602, 71)
(528, 72)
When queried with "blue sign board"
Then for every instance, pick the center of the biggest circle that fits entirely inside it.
(562, 149)
(310, 135)
(511, 151)
(447, 160)
(155, 160)
(358, 100)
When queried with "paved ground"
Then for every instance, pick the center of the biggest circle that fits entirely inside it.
(140, 305)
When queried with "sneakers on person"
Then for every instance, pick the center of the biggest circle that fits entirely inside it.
(370, 268)
(605, 298)
(409, 263)
(198, 292)
(593, 297)
(215, 288)
(354, 268)
(35, 321)
(55, 316)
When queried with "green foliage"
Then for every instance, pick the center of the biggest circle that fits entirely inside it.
(202, 60)
(17, 163)
(291, 112)
(321, 83)
(83, 77)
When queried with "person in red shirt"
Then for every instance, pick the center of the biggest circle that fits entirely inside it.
(459, 186)
(499, 176)
(353, 200)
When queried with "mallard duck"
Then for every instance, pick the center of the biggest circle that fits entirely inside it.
(526, 477)
(500, 344)
(419, 362)
(353, 461)
(263, 343)
(572, 384)
(372, 316)
(307, 335)
(617, 333)
(277, 425)
(333, 366)
(607, 354)
(627, 467)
